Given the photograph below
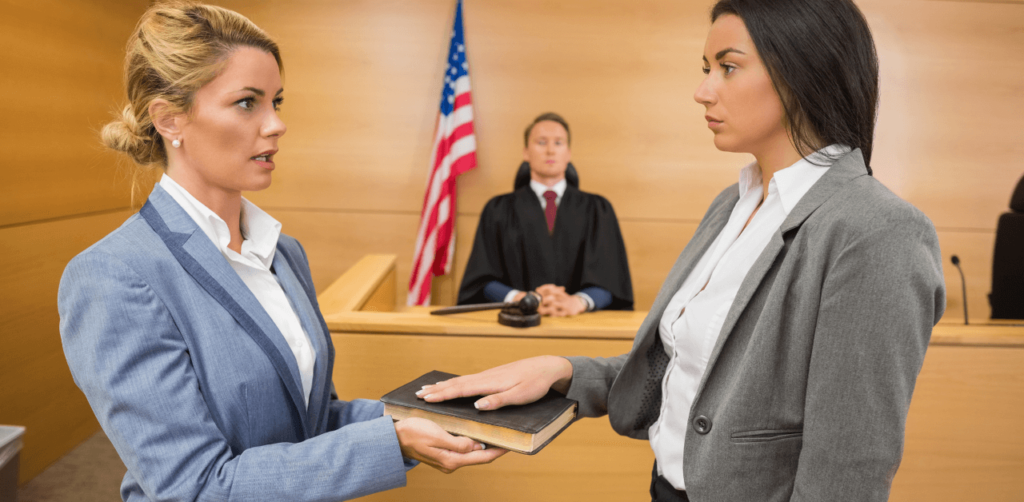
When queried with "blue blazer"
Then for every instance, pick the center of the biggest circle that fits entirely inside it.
(194, 384)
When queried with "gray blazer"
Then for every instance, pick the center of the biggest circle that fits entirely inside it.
(805, 396)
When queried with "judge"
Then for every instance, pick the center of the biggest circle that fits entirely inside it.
(548, 236)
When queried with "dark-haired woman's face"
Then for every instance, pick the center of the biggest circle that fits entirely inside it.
(230, 136)
(742, 107)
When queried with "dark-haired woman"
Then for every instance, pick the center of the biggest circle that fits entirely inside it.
(779, 358)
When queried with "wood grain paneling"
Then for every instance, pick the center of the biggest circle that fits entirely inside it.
(62, 81)
(950, 135)
(965, 438)
(37, 391)
(336, 240)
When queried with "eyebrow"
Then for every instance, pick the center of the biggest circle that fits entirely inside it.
(259, 92)
(721, 54)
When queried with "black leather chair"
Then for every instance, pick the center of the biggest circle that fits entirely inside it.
(1007, 296)
(523, 176)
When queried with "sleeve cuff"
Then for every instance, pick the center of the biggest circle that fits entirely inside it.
(587, 299)
(511, 296)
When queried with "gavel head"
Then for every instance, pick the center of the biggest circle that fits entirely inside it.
(523, 314)
(529, 304)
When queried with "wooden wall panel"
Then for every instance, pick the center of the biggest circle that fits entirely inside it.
(334, 241)
(950, 132)
(965, 438)
(37, 391)
(62, 81)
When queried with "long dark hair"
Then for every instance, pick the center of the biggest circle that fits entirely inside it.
(822, 61)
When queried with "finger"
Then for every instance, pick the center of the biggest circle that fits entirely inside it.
(462, 387)
(519, 394)
(475, 458)
(458, 444)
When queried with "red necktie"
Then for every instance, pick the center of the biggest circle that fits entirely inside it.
(550, 208)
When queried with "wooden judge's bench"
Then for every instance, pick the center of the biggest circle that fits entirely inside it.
(964, 438)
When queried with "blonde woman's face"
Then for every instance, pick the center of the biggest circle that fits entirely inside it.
(229, 138)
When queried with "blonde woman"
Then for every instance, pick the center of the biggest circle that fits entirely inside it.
(193, 329)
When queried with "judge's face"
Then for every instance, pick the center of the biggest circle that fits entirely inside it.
(743, 109)
(229, 137)
(547, 151)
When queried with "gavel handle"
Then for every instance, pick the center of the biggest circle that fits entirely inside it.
(461, 309)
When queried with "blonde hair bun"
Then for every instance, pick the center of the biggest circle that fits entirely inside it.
(124, 135)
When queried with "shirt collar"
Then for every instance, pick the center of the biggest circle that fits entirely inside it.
(795, 181)
(539, 188)
(261, 230)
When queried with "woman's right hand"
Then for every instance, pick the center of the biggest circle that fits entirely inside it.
(427, 442)
(521, 382)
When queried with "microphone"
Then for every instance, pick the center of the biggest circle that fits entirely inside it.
(521, 314)
(963, 283)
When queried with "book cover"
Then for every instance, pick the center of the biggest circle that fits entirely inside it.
(529, 419)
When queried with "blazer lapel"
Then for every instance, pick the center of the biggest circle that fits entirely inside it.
(692, 253)
(200, 258)
(293, 288)
(845, 169)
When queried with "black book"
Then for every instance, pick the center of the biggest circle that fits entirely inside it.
(525, 429)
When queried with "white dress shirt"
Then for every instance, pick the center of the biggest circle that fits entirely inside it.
(693, 320)
(261, 232)
(559, 189)
(539, 189)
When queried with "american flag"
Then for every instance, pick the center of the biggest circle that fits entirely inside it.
(454, 153)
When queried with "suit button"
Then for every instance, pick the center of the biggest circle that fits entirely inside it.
(702, 424)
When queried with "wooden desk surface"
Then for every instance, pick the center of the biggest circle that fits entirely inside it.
(614, 325)
(607, 325)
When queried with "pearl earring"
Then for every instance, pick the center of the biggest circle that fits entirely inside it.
(176, 143)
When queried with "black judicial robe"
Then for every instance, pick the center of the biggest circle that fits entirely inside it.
(513, 246)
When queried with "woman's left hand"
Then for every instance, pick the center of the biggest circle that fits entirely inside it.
(423, 440)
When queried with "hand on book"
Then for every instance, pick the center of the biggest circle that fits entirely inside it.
(521, 382)
(427, 442)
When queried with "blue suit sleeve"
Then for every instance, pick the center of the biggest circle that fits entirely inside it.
(128, 356)
(602, 297)
(495, 291)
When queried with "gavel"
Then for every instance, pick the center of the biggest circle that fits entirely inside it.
(521, 314)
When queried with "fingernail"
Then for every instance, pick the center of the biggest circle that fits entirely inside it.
(481, 404)
(480, 446)
(425, 386)
(427, 397)
(421, 391)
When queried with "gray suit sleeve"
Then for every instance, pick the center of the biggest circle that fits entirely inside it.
(880, 299)
(592, 378)
(129, 358)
